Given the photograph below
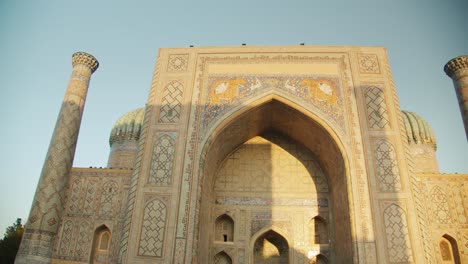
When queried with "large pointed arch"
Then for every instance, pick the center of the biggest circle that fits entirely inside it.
(272, 111)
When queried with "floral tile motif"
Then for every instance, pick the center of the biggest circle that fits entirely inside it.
(228, 91)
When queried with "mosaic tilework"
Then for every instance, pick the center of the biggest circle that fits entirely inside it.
(387, 167)
(418, 196)
(66, 238)
(171, 103)
(131, 198)
(58, 163)
(458, 203)
(90, 197)
(178, 62)
(368, 63)
(377, 116)
(397, 234)
(465, 241)
(252, 167)
(83, 241)
(152, 230)
(163, 159)
(75, 200)
(441, 212)
(226, 92)
(109, 198)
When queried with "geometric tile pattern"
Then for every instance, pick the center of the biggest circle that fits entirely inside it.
(90, 197)
(256, 165)
(397, 234)
(465, 242)
(178, 62)
(152, 229)
(74, 202)
(368, 63)
(171, 103)
(82, 242)
(387, 167)
(49, 196)
(377, 116)
(163, 159)
(222, 258)
(66, 238)
(441, 212)
(109, 198)
(458, 202)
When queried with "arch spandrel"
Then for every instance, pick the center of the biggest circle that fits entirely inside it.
(330, 114)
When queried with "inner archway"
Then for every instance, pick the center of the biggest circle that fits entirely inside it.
(271, 248)
(277, 117)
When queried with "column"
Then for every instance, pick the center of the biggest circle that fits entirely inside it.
(39, 239)
(457, 69)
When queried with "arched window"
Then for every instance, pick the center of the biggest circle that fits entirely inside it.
(104, 241)
(101, 246)
(222, 258)
(449, 250)
(318, 231)
(224, 228)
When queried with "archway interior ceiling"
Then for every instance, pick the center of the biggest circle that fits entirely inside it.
(275, 116)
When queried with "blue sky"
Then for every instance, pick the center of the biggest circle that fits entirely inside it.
(37, 39)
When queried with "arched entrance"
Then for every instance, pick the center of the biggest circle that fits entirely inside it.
(276, 120)
(270, 248)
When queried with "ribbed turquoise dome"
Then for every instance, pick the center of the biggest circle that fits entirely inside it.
(418, 131)
(127, 127)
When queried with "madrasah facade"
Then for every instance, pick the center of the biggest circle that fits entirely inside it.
(292, 154)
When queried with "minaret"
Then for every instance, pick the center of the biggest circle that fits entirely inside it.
(39, 239)
(457, 69)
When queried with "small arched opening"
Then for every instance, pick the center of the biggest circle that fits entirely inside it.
(222, 258)
(271, 247)
(100, 253)
(224, 226)
(318, 231)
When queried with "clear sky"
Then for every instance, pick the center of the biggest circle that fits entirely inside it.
(37, 39)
